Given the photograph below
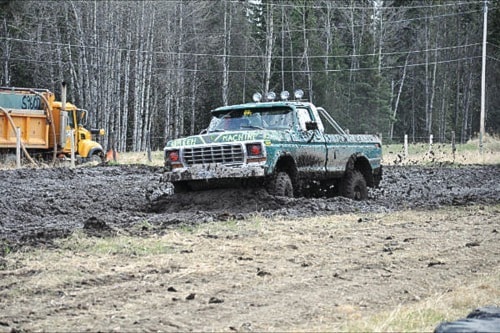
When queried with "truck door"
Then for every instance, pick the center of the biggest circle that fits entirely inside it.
(336, 145)
(310, 154)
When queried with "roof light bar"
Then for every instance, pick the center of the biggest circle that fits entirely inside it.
(271, 96)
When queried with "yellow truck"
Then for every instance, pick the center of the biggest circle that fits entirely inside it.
(46, 126)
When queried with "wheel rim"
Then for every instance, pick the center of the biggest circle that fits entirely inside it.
(357, 193)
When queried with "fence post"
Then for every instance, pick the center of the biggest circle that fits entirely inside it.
(112, 145)
(406, 146)
(453, 146)
(18, 147)
(72, 140)
(431, 137)
(148, 143)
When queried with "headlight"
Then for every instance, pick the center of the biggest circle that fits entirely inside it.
(172, 159)
(255, 152)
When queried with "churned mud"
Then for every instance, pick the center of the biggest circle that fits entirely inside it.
(38, 205)
(424, 236)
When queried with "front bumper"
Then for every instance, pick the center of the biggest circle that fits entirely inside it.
(215, 171)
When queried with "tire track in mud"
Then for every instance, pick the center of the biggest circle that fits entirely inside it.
(38, 205)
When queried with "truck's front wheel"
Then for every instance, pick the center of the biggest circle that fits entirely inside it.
(281, 185)
(181, 187)
(353, 186)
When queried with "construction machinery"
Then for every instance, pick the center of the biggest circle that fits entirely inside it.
(45, 129)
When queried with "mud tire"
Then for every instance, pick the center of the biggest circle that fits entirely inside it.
(353, 186)
(280, 185)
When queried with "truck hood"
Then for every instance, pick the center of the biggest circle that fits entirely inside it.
(228, 137)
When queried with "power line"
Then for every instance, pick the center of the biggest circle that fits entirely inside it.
(236, 56)
(322, 71)
(493, 58)
(293, 6)
(489, 43)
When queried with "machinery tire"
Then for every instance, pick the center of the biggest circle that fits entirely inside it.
(353, 186)
(281, 185)
(95, 158)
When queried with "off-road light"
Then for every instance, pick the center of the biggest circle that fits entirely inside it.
(299, 93)
(271, 96)
(173, 156)
(256, 97)
(284, 95)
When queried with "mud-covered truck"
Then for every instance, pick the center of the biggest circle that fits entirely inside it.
(46, 126)
(291, 147)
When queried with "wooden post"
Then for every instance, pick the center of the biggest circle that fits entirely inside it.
(406, 146)
(72, 139)
(18, 147)
(148, 144)
(453, 146)
(431, 137)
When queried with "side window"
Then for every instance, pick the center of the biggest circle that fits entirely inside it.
(329, 129)
(303, 116)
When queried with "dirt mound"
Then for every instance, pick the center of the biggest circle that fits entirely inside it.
(41, 204)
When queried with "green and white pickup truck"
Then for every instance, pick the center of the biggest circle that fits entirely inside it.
(293, 148)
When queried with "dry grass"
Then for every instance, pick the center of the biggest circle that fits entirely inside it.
(423, 316)
(140, 158)
(439, 153)
(316, 274)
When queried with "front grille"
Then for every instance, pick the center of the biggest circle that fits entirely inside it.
(214, 154)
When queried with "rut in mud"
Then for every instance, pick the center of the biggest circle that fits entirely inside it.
(41, 204)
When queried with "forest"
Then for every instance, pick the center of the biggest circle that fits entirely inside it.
(150, 71)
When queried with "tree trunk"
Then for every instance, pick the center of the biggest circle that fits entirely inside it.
(226, 52)
(269, 47)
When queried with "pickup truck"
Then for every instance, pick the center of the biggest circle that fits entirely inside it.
(291, 147)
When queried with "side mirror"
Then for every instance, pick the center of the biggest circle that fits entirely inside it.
(311, 125)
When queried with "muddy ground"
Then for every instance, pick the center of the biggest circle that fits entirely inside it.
(38, 205)
(280, 276)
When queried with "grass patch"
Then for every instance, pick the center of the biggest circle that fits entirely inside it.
(422, 316)
(139, 158)
(120, 245)
(442, 153)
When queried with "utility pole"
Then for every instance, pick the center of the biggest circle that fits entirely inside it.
(483, 77)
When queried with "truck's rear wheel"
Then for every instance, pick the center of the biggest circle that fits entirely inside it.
(353, 186)
(281, 185)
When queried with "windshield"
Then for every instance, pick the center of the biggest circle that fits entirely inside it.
(248, 119)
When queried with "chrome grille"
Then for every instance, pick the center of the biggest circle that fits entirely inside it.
(214, 154)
